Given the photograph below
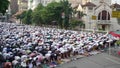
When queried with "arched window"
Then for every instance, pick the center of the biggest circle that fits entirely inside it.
(104, 15)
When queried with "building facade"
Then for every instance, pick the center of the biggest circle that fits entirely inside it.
(13, 6)
(102, 11)
(22, 5)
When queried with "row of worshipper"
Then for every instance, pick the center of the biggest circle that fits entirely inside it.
(34, 46)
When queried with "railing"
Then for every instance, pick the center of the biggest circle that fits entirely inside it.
(2, 18)
(103, 22)
(114, 51)
(91, 30)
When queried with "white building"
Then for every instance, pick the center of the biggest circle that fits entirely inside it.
(102, 11)
(22, 5)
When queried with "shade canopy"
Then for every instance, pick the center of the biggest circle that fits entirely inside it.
(115, 33)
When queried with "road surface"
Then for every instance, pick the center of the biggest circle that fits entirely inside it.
(102, 60)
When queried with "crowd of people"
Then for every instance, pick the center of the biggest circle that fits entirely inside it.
(25, 46)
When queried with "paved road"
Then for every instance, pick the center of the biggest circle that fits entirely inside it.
(97, 61)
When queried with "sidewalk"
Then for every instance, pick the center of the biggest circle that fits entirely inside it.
(100, 60)
(74, 58)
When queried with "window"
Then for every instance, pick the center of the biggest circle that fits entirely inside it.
(90, 8)
(104, 15)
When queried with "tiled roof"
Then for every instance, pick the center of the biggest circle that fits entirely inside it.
(89, 4)
(115, 5)
(76, 6)
(102, 3)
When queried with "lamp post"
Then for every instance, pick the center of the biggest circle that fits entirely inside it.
(89, 24)
(6, 14)
(63, 17)
(109, 44)
(109, 48)
(1, 17)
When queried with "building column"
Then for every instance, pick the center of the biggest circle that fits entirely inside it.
(107, 16)
(101, 16)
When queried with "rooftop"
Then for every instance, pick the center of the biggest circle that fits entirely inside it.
(89, 4)
(115, 5)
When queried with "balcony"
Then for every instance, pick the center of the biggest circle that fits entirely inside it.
(103, 22)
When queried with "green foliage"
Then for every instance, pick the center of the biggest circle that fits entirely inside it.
(28, 17)
(67, 9)
(118, 42)
(39, 7)
(36, 15)
(36, 18)
(74, 23)
(22, 15)
(79, 13)
(46, 15)
(54, 9)
(3, 6)
(52, 12)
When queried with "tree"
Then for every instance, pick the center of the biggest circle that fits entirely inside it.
(36, 15)
(118, 42)
(74, 23)
(80, 14)
(3, 6)
(54, 10)
(67, 10)
(46, 16)
(49, 14)
(28, 17)
(21, 15)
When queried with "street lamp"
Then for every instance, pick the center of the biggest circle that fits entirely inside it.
(1, 17)
(63, 17)
(6, 14)
(109, 42)
(89, 24)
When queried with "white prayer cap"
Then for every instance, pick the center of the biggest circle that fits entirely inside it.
(109, 40)
(36, 32)
(23, 64)
(49, 52)
(14, 62)
(17, 57)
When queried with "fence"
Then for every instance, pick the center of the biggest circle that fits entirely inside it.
(113, 51)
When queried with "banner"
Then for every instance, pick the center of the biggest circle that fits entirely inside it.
(93, 17)
(114, 34)
(116, 14)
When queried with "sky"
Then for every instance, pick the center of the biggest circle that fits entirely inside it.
(116, 1)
